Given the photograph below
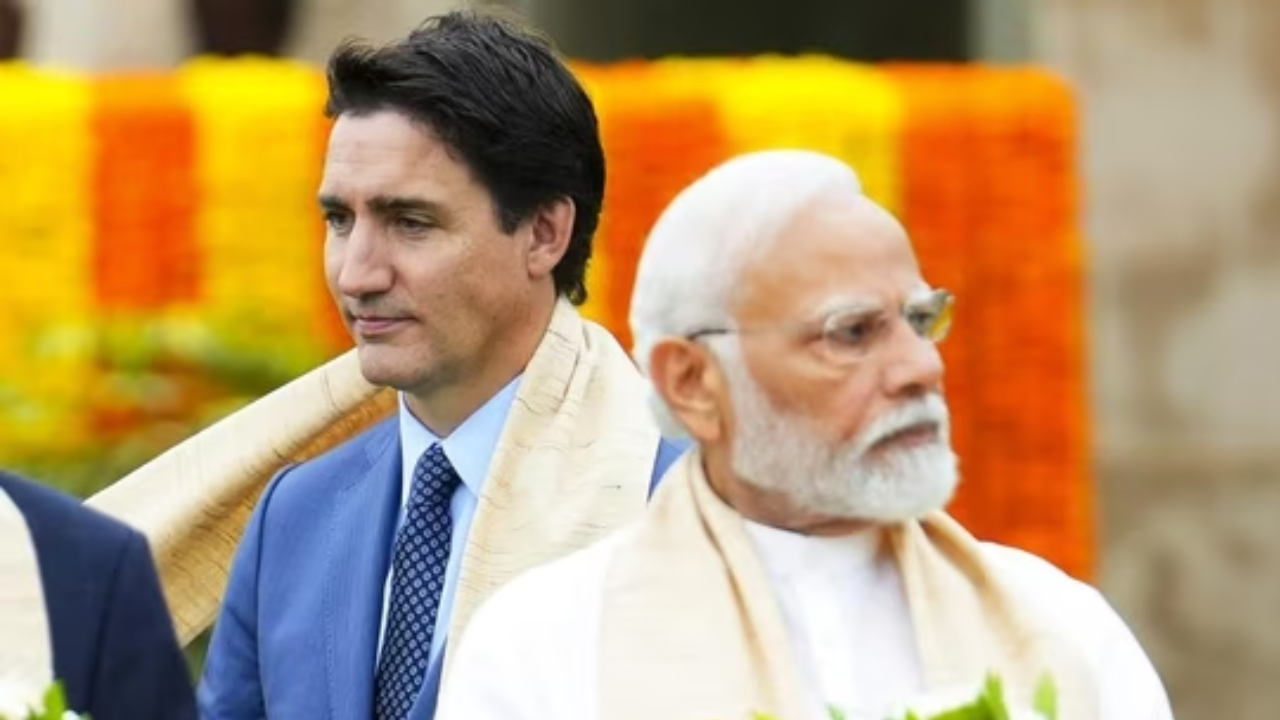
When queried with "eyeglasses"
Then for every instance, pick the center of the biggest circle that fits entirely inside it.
(849, 336)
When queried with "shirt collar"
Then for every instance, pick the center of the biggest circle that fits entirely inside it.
(470, 447)
(789, 556)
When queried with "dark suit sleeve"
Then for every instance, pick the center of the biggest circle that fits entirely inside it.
(141, 673)
(231, 685)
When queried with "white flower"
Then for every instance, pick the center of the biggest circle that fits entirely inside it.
(16, 704)
(13, 703)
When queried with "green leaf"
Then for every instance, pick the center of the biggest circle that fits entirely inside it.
(976, 710)
(993, 696)
(837, 713)
(55, 701)
(1046, 699)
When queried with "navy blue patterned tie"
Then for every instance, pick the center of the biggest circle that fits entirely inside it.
(418, 565)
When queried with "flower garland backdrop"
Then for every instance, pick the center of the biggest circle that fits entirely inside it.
(161, 246)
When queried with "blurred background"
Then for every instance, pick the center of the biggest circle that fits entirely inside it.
(1171, 184)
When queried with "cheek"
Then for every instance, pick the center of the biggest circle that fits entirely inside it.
(836, 406)
(455, 286)
(852, 415)
(841, 411)
(429, 285)
(332, 266)
(495, 272)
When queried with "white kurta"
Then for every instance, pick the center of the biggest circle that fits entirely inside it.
(847, 616)
(530, 652)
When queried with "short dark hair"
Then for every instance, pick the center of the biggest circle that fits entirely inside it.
(499, 96)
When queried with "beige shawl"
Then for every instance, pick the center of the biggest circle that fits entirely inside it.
(26, 655)
(573, 462)
(690, 629)
(193, 501)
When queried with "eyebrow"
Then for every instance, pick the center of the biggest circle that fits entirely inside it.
(847, 304)
(386, 204)
(331, 202)
(864, 304)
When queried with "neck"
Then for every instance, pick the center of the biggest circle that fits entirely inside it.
(442, 408)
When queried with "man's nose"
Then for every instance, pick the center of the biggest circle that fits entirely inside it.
(364, 267)
(914, 365)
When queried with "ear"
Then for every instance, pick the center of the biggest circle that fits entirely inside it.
(689, 383)
(552, 225)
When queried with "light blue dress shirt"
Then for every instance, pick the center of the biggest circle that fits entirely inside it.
(469, 449)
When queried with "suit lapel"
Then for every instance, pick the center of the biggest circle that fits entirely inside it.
(362, 525)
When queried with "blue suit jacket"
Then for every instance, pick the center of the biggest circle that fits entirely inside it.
(114, 648)
(297, 636)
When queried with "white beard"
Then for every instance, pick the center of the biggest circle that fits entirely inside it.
(782, 453)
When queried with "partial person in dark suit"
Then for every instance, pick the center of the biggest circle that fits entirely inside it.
(114, 647)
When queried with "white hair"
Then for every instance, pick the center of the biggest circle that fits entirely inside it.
(696, 251)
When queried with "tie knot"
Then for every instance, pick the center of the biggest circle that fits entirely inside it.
(434, 478)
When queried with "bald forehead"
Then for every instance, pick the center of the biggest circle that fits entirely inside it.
(839, 244)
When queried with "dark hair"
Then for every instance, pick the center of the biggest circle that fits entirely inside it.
(500, 97)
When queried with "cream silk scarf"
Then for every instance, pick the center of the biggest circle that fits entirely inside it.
(26, 655)
(193, 501)
(573, 461)
(690, 628)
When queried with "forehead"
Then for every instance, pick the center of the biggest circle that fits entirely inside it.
(387, 154)
(840, 247)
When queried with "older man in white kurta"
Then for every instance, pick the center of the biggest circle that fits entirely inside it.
(798, 559)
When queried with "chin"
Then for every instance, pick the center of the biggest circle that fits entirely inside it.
(912, 485)
(385, 367)
(899, 487)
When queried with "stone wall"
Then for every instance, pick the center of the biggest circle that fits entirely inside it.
(1181, 112)
(114, 34)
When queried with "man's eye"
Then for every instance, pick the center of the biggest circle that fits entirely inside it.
(412, 225)
(853, 332)
(339, 222)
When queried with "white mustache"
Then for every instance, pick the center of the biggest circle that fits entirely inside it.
(929, 409)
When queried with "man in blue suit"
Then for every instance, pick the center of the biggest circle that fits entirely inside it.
(461, 192)
(114, 648)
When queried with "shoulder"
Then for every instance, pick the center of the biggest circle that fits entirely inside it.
(1030, 573)
(297, 486)
(563, 594)
(61, 526)
(88, 560)
(1129, 684)
(557, 584)
(1052, 593)
(529, 650)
